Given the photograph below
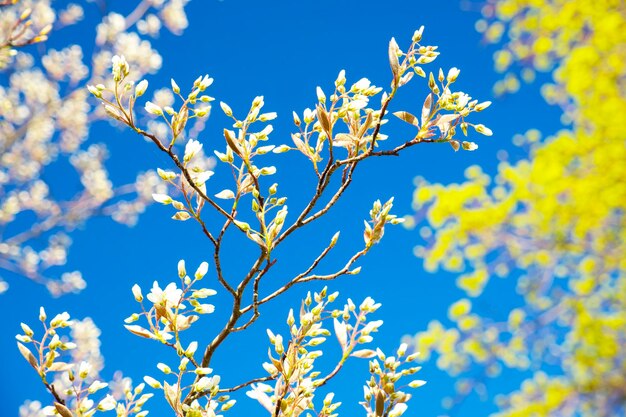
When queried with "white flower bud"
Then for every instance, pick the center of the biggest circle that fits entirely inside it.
(226, 109)
(453, 74)
(141, 88)
(181, 269)
(202, 270)
(152, 382)
(95, 91)
(153, 109)
(469, 146)
(175, 87)
(483, 129)
(137, 293)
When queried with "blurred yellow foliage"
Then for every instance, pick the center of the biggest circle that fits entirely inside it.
(556, 221)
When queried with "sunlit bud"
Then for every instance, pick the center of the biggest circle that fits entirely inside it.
(152, 382)
(419, 71)
(114, 112)
(431, 81)
(309, 115)
(440, 77)
(203, 384)
(205, 83)
(139, 388)
(108, 403)
(321, 97)
(355, 271)
(229, 404)
(23, 338)
(60, 320)
(469, 146)
(132, 318)
(153, 109)
(166, 175)
(482, 106)
(137, 293)
(267, 171)
(202, 270)
(84, 369)
(191, 349)
(162, 198)
(362, 84)
(278, 344)
(27, 330)
(417, 35)
(120, 68)
(202, 112)
(243, 226)
(341, 78)
(281, 148)
(93, 90)
(290, 319)
(453, 74)
(191, 149)
(221, 156)
(402, 349)
(175, 87)
(265, 117)
(225, 195)
(49, 411)
(226, 109)
(257, 102)
(296, 119)
(412, 357)
(96, 386)
(324, 292)
(398, 410)
(417, 383)
(203, 293)
(483, 129)
(141, 88)
(183, 364)
(181, 215)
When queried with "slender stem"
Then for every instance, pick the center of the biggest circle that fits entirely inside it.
(247, 383)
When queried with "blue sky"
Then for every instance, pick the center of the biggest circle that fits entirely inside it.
(283, 50)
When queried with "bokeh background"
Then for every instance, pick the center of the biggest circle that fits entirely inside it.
(282, 50)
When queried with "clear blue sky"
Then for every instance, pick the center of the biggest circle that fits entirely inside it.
(282, 50)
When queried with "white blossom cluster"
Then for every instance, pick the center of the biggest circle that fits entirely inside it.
(45, 117)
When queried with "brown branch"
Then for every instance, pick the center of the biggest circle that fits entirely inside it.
(245, 384)
(216, 255)
(183, 170)
(255, 298)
